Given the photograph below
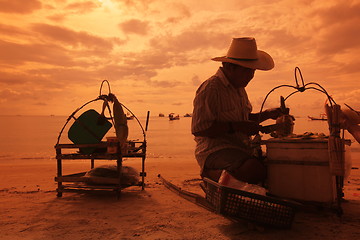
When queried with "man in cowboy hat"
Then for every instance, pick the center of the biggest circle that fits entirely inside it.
(222, 121)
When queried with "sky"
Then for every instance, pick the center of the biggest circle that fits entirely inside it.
(54, 54)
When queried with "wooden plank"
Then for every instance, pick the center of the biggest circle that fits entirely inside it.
(66, 156)
(93, 180)
(96, 145)
(92, 187)
(71, 179)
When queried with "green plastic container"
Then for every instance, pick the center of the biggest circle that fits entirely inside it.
(90, 127)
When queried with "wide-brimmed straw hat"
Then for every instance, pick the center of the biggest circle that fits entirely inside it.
(244, 52)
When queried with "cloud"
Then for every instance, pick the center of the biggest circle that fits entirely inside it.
(8, 30)
(166, 46)
(283, 39)
(41, 104)
(20, 95)
(19, 6)
(10, 94)
(196, 80)
(13, 78)
(339, 28)
(134, 26)
(17, 54)
(82, 7)
(136, 5)
(189, 46)
(351, 98)
(339, 12)
(341, 38)
(164, 84)
(350, 67)
(58, 77)
(177, 104)
(181, 12)
(126, 71)
(68, 10)
(72, 38)
(57, 17)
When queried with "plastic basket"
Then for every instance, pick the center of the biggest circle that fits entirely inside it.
(262, 210)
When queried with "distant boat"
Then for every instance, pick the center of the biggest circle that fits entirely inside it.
(188, 115)
(322, 117)
(172, 116)
(161, 115)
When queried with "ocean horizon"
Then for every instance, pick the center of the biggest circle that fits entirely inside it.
(34, 137)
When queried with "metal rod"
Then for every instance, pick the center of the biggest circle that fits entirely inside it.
(147, 120)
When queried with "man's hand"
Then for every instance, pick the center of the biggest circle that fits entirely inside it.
(274, 113)
(249, 127)
(274, 127)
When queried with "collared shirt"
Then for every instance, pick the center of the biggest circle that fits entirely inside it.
(217, 100)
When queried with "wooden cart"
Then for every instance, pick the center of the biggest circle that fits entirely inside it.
(78, 182)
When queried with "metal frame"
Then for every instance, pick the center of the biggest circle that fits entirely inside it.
(137, 150)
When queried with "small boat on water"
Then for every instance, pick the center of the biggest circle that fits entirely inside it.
(322, 117)
(172, 116)
(188, 115)
(161, 115)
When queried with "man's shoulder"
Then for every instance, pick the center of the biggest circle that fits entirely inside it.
(211, 83)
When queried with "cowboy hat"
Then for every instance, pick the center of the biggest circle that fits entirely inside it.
(244, 52)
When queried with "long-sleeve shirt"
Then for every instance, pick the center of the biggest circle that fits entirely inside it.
(217, 100)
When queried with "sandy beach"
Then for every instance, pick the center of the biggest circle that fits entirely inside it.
(31, 210)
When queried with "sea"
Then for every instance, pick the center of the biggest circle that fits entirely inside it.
(34, 137)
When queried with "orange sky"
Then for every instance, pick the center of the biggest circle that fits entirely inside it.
(55, 53)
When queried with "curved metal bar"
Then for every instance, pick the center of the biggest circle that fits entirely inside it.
(331, 100)
(302, 88)
(143, 131)
(72, 115)
(106, 99)
(298, 88)
(102, 86)
(267, 95)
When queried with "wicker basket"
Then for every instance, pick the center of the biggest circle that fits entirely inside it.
(262, 210)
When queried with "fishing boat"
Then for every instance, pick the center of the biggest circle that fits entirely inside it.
(161, 115)
(322, 117)
(188, 115)
(172, 116)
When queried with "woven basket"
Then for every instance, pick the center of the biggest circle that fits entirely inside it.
(262, 210)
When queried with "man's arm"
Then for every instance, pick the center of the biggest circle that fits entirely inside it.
(218, 129)
(272, 113)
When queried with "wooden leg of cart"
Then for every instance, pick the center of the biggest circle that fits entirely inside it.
(59, 173)
(143, 173)
(92, 164)
(340, 194)
(119, 167)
